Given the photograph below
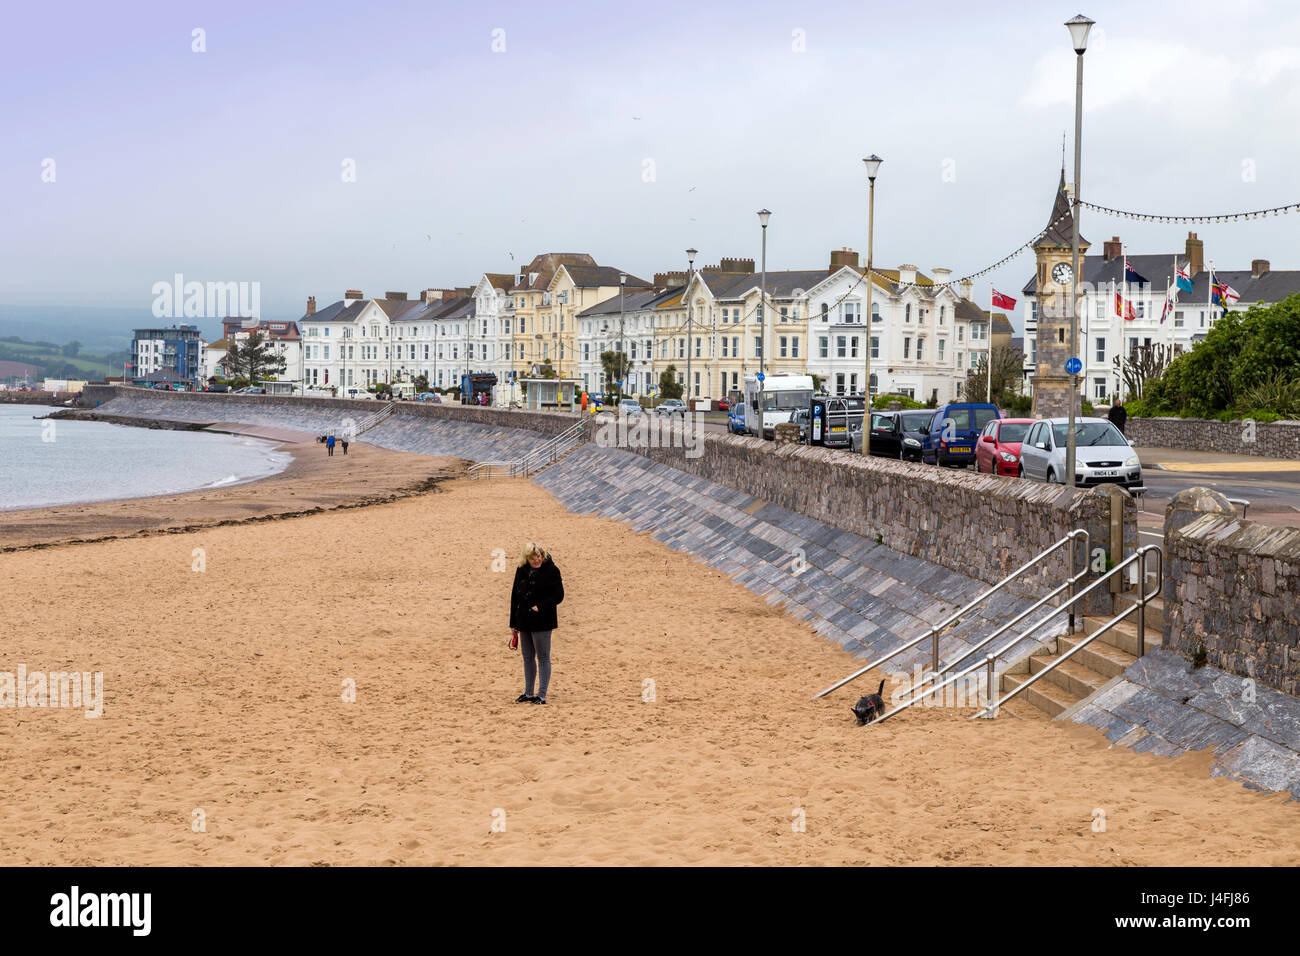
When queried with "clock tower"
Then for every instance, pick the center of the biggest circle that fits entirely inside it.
(1052, 385)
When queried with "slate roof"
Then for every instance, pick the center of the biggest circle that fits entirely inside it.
(780, 284)
(593, 276)
(641, 299)
(545, 266)
(1159, 269)
(1060, 225)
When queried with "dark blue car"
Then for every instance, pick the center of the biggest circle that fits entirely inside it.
(950, 437)
(736, 418)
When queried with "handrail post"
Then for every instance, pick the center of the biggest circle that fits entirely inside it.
(935, 666)
(1073, 547)
(988, 684)
(1142, 608)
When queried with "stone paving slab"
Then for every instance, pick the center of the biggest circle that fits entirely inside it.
(1162, 705)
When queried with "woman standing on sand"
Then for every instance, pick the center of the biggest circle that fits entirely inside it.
(537, 591)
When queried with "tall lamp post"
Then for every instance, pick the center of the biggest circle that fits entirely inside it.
(622, 342)
(763, 216)
(873, 167)
(690, 268)
(1079, 27)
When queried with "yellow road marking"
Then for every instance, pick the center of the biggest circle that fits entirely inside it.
(1263, 465)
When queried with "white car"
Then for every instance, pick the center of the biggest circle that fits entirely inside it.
(1101, 454)
(671, 406)
(629, 407)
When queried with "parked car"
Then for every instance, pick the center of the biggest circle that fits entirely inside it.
(998, 450)
(736, 418)
(1102, 455)
(629, 407)
(671, 406)
(723, 405)
(428, 397)
(897, 434)
(803, 418)
(949, 438)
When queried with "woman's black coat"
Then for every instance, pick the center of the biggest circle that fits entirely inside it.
(542, 588)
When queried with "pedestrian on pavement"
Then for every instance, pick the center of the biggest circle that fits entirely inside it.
(1118, 415)
(537, 590)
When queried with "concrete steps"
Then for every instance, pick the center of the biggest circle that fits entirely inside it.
(1092, 667)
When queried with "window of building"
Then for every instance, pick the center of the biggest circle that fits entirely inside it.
(826, 312)
(1101, 348)
(784, 345)
(907, 312)
(794, 346)
(920, 348)
(875, 346)
(907, 347)
(823, 346)
(841, 346)
(758, 346)
(942, 343)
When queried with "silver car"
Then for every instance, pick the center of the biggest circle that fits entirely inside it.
(629, 407)
(671, 406)
(1102, 455)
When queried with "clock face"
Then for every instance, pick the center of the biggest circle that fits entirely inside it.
(1062, 274)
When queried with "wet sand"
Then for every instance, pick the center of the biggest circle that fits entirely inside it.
(225, 705)
(311, 482)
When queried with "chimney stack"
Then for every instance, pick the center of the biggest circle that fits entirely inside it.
(395, 296)
(906, 273)
(966, 288)
(1258, 267)
(736, 265)
(940, 275)
(1195, 254)
(1112, 249)
(353, 294)
(841, 257)
(311, 305)
(670, 280)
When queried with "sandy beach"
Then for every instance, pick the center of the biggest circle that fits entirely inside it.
(225, 705)
(311, 482)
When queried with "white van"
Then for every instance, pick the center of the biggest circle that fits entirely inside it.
(783, 392)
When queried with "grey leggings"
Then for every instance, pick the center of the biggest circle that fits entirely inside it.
(536, 644)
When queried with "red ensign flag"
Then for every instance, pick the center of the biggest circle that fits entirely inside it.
(1001, 301)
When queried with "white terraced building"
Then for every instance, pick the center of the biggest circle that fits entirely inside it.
(1104, 334)
(356, 341)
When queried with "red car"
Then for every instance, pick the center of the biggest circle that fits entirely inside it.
(998, 450)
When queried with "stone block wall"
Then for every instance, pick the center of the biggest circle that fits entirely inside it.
(219, 406)
(1274, 440)
(983, 526)
(1231, 585)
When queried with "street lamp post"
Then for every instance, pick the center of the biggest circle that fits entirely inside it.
(873, 167)
(763, 216)
(622, 341)
(690, 268)
(1079, 27)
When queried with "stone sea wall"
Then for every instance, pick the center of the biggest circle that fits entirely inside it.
(1231, 588)
(1274, 440)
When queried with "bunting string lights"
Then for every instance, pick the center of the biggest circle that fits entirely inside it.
(1193, 220)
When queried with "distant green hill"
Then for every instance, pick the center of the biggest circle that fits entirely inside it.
(52, 362)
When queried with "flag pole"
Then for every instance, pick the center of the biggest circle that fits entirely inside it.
(988, 362)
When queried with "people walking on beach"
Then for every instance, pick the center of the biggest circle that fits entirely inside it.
(344, 443)
(537, 590)
(329, 445)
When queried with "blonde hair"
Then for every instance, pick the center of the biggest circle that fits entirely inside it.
(533, 550)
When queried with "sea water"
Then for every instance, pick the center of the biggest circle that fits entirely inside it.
(58, 461)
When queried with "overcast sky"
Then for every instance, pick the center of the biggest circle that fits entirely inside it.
(627, 131)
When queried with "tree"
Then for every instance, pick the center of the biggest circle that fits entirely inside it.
(1143, 364)
(255, 358)
(71, 349)
(421, 382)
(1008, 375)
(669, 387)
(1242, 353)
(615, 365)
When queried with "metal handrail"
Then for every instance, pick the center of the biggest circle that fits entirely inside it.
(550, 451)
(370, 421)
(1022, 635)
(935, 631)
(1240, 501)
(1140, 606)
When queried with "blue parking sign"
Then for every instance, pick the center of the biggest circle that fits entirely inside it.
(1073, 366)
